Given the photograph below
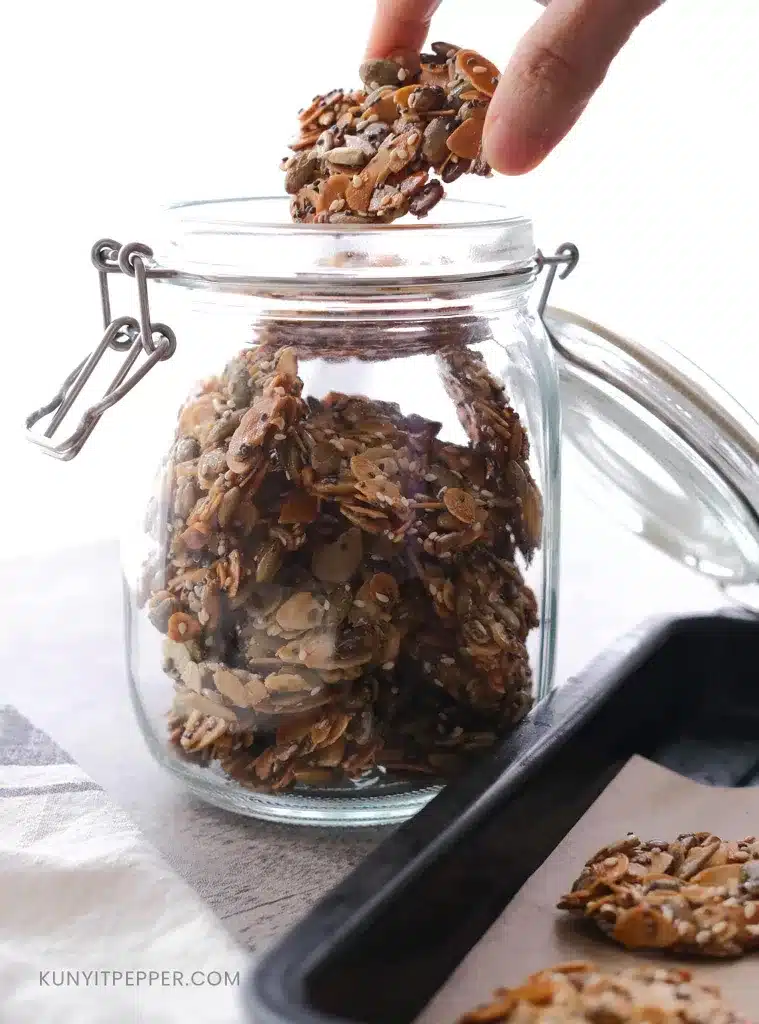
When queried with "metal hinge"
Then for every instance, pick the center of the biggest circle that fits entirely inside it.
(123, 334)
(567, 257)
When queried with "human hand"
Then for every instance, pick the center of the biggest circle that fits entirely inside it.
(552, 75)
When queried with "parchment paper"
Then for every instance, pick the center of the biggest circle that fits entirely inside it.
(532, 934)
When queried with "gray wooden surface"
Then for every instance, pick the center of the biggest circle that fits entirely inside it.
(62, 665)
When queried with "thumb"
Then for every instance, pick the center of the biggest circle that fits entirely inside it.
(400, 25)
(554, 72)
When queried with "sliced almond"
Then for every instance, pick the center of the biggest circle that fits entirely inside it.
(643, 928)
(331, 755)
(466, 141)
(286, 682)
(364, 468)
(719, 874)
(230, 685)
(482, 73)
(612, 868)
(337, 729)
(337, 562)
(413, 184)
(299, 507)
(461, 505)
(311, 114)
(332, 188)
(358, 196)
(532, 515)
(538, 991)
(202, 704)
(434, 74)
(255, 689)
(299, 613)
(698, 858)
(183, 627)
(297, 728)
(305, 141)
(379, 490)
(197, 414)
(401, 96)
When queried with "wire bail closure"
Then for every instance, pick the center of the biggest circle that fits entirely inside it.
(134, 336)
(566, 257)
(157, 342)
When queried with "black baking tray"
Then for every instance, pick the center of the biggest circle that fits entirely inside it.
(682, 692)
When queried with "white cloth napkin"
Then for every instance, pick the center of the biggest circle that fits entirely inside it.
(93, 924)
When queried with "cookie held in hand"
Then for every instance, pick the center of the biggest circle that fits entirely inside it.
(576, 992)
(697, 895)
(374, 154)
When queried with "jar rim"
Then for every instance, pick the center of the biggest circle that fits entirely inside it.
(214, 240)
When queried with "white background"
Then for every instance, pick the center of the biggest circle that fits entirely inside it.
(111, 109)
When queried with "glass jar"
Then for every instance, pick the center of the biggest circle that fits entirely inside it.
(342, 589)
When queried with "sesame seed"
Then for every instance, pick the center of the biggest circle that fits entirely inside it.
(683, 927)
(749, 910)
(668, 913)
(478, 69)
(402, 75)
(719, 927)
(703, 936)
(357, 181)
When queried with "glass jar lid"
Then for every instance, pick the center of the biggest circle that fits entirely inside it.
(666, 449)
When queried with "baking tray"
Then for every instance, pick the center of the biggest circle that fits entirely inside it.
(682, 692)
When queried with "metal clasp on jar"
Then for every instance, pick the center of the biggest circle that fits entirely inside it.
(134, 336)
(140, 336)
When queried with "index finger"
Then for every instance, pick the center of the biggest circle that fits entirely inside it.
(400, 25)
